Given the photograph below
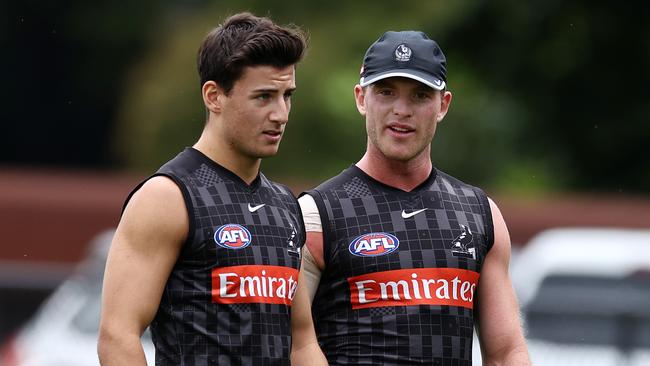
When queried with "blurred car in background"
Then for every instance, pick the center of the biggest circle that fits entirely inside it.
(63, 332)
(585, 296)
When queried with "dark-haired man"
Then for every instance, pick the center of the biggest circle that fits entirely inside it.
(207, 250)
(401, 259)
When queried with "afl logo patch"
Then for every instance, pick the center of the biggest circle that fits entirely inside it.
(374, 244)
(232, 236)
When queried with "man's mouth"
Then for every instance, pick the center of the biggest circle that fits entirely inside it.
(400, 129)
(273, 134)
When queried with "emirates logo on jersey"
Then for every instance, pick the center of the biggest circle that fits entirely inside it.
(417, 286)
(254, 284)
(374, 244)
(232, 236)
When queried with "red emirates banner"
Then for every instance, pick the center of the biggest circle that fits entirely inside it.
(254, 284)
(418, 286)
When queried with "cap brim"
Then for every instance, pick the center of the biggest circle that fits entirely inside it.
(426, 79)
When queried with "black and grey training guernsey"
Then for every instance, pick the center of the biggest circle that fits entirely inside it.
(227, 300)
(401, 269)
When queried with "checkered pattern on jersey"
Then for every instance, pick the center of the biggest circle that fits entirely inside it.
(356, 204)
(190, 329)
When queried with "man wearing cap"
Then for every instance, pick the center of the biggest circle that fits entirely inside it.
(402, 260)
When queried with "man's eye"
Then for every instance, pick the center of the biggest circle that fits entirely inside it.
(288, 95)
(264, 96)
(422, 96)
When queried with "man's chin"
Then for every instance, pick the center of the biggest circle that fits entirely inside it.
(267, 153)
(399, 156)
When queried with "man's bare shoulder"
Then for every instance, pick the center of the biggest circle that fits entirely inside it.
(159, 186)
(158, 206)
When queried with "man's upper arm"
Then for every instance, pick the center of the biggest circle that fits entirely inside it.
(499, 326)
(314, 229)
(152, 230)
(305, 349)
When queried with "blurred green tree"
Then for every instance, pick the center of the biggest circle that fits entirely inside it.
(548, 95)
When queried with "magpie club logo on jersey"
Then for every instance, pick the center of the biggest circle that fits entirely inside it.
(232, 236)
(374, 244)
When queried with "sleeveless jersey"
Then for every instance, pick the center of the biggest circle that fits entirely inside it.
(227, 300)
(401, 269)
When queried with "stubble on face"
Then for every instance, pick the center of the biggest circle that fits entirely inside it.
(401, 118)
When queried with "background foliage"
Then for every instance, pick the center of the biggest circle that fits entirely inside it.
(548, 95)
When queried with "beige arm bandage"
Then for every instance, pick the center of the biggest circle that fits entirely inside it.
(310, 214)
(310, 271)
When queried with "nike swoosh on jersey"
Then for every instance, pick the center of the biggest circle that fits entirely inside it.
(411, 214)
(255, 208)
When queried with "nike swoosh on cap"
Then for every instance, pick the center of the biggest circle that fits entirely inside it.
(411, 214)
(255, 208)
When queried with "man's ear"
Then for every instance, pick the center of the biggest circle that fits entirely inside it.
(360, 98)
(212, 96)
(445, 102)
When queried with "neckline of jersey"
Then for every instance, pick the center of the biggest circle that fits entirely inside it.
(424, 185)
(255, 184)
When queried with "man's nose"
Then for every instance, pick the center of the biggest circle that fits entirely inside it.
(280, 113)
(403, 107)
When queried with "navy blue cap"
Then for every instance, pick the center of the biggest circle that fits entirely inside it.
(409, 54)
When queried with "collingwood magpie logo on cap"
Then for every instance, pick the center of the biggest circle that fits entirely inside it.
(403, 53)
(409, 54)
